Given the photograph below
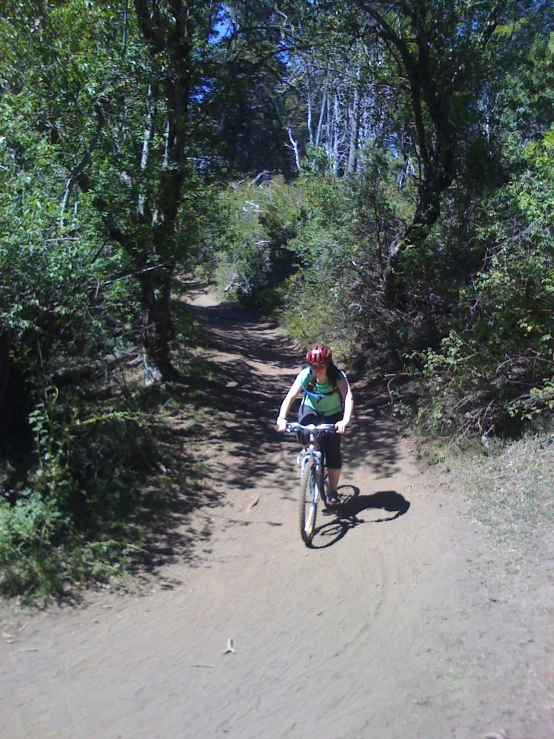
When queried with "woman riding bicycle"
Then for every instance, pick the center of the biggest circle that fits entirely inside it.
(325, 389)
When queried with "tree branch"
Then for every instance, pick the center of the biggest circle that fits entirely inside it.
(78, 170)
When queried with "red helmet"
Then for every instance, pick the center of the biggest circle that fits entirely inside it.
(319, 354)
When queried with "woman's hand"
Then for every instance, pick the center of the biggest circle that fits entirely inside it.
(341, 426)
(281, 425)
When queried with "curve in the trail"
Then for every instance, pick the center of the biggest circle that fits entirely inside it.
(381, 630)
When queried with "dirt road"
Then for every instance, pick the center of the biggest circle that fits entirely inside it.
(401, 623)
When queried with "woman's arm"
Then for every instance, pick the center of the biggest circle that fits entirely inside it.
(293, 393)
(346, 392)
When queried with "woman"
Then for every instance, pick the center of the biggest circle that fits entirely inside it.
(325, 389)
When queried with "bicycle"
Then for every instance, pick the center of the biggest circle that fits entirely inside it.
(312, 475)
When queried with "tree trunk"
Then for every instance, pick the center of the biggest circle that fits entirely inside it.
(431, 100)
(322, 110)
(159, 330)
(15, 401)
(5, 368)
(353, 137)
(309, 111)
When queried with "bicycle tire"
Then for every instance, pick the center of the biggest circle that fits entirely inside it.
(309, 497)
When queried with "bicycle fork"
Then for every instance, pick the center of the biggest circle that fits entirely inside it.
(303, 458)
(319, 477)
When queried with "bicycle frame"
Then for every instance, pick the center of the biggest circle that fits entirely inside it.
(317, 432)
(312, 455)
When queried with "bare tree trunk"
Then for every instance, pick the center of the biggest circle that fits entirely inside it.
(309, 110)
(159, 329)
(329, 129)
(151, 106)
(294, 147)
(353, 138)
(293, 142)
(336, 135)
(322, 110)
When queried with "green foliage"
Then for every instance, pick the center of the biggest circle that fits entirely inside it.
(66, 301)
(494, 372)
(30, 560)
(316, 249)
(529, 89)
(315, 307)
(46, 540)
(98, 493)
(342, 246)
(42, 553)
(419, 226)
(258, 223)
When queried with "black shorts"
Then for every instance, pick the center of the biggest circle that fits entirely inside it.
(331, 442)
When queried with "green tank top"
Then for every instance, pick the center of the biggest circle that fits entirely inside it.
(330, 403)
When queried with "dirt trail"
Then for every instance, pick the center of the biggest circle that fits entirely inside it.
(401, 622)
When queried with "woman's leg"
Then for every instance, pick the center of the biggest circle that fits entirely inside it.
(306, 415)
(334, 476)
(333, 459)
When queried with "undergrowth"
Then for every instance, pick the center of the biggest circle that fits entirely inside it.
(103, 491)
(508, 481)
(509, 487)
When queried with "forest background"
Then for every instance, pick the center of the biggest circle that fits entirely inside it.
(379, 174)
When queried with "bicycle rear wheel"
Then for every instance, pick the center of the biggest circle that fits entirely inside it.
(309, 497)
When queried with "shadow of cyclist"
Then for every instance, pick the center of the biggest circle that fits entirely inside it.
(347, 513)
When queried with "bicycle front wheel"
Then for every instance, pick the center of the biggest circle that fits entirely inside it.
(309, 497)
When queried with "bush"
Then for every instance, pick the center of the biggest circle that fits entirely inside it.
(495, 370)
(255, 257)
(31, 556)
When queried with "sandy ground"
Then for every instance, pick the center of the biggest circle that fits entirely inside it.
(402, 621)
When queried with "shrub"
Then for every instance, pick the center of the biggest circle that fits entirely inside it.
(255, 256)
(31, 555)
(495, 370)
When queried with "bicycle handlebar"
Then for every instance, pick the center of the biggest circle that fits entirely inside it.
(311, 427)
